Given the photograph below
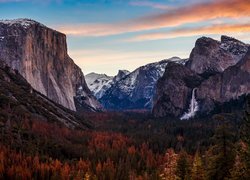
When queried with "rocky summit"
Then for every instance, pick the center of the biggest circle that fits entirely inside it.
(40, 56)
(210, 56)
(216, 73)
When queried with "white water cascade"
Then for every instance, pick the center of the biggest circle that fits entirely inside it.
(193, 107)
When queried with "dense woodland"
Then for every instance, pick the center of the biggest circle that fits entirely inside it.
(127, 145)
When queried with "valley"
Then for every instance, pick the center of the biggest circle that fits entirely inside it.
(171, 119)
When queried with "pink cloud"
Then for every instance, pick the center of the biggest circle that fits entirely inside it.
(234, 9)
(215, 29)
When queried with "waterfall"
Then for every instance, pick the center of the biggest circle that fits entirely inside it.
(193, 107)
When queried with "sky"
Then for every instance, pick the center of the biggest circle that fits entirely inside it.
(107, 35)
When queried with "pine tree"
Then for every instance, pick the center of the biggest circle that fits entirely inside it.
(183, 167)
(238, 172)
(197, 170)
(222, 153)
(243, 161)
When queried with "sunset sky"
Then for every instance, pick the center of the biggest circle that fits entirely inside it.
(107, 35)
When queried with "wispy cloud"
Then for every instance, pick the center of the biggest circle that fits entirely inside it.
(191, 14)
(150, 4)
(214, 29)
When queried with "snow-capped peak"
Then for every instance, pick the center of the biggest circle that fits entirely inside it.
(99, 83)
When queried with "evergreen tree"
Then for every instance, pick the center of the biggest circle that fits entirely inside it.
(183, 167)
(222, 153)
(242, 163)
(197, 170)
(239, 170)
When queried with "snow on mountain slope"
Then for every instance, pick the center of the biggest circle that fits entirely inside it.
(136, 90)
(97, 83)
(100, 83)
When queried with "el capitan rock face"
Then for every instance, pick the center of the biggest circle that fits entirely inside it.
(40, 55)
(218, 71)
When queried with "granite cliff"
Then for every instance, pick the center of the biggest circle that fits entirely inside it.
(40, 56)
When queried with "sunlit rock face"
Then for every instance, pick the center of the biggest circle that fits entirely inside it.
(216, 73)
(40, 55)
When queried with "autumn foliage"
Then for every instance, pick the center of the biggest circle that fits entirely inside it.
(130, 149)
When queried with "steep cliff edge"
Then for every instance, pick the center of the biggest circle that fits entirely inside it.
(40, 55)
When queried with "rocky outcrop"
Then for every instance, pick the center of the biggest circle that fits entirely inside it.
(136, 90)
(210, 56)
(40, 55)
(173, 90)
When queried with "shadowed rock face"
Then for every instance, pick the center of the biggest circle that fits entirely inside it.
(40, 55)
(173, 90)
(218, 75)
(231, 84)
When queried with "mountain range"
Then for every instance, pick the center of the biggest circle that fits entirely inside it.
(215, 73)
(134, 90)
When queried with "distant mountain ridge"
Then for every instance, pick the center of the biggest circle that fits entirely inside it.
(40, 56)
(100, 83)
(133, 90)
